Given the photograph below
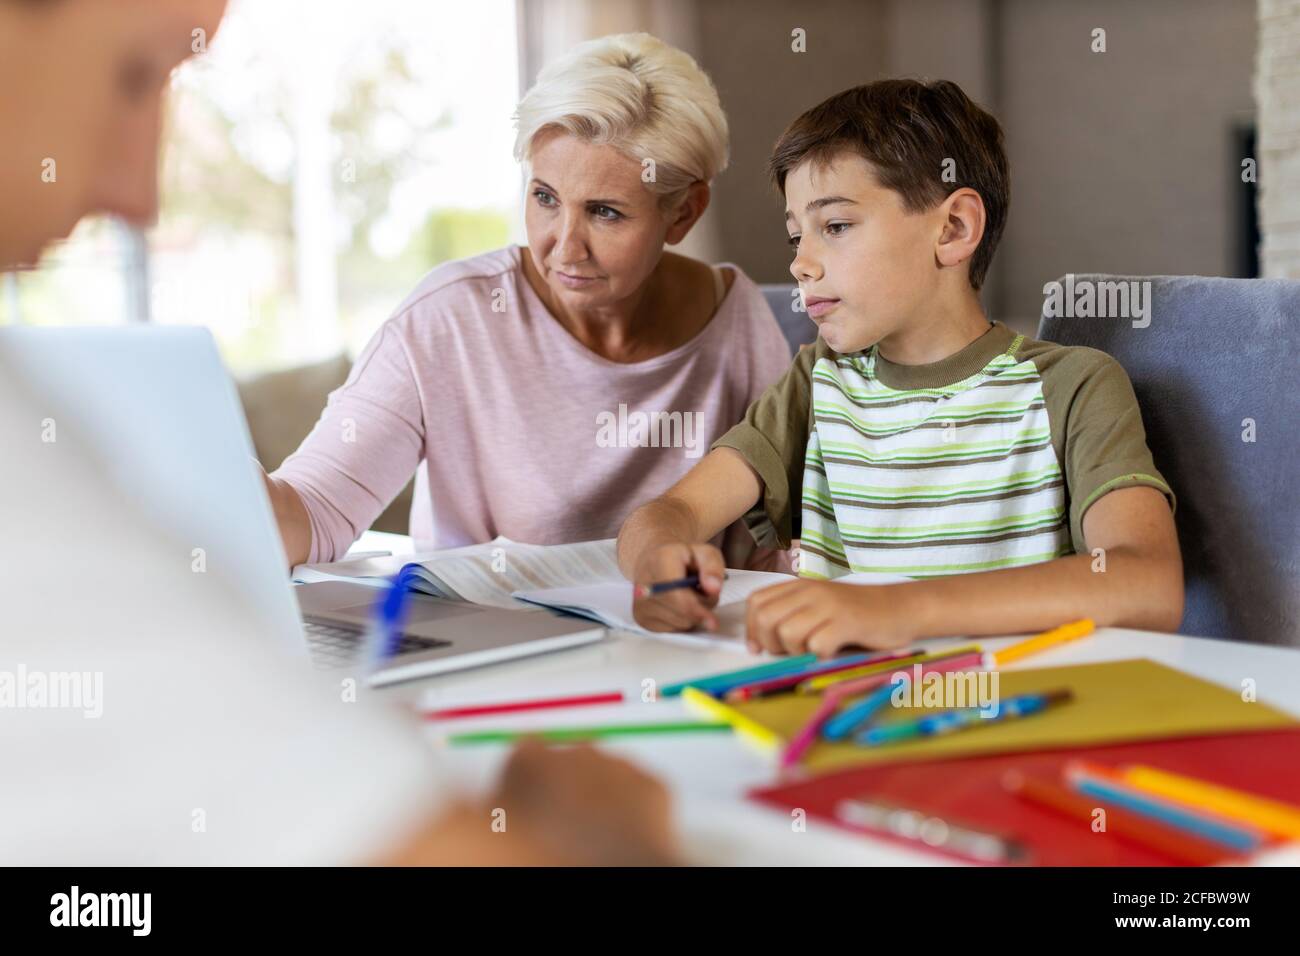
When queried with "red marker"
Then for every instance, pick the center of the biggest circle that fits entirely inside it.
(510, 707)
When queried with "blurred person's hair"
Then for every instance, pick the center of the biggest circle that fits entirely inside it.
(910, 133)
(639, 95)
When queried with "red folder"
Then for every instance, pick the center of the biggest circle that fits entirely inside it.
(969, 791)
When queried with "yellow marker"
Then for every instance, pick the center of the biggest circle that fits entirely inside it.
(1057, 635)
(763, 738)
(815, 685)
(1271, 816)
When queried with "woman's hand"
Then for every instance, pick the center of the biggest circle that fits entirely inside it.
(681, 609)
(823, 617)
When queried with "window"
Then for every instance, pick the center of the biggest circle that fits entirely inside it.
(318, 160)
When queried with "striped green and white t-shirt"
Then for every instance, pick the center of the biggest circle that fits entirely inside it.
(985, 460)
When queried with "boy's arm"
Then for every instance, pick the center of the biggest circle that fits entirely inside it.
(1134, 580)
(662, 540)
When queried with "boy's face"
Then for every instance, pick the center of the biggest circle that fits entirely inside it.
(866, 266)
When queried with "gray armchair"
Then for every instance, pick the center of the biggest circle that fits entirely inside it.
(1217, 373)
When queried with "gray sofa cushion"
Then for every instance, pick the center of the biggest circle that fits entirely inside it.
(798, 328)
(1217, 356)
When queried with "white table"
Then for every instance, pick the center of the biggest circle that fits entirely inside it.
(708, 774)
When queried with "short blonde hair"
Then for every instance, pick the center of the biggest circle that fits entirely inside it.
(639, 95)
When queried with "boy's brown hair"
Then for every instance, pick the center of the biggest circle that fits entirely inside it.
(906, 129)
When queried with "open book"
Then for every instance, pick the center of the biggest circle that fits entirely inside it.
(581, 579)
(486, 574)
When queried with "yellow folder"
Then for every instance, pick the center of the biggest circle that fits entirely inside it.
(1114, 702)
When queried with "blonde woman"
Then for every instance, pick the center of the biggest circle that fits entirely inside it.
(543, 391)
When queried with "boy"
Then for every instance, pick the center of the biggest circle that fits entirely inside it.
(1010, 476)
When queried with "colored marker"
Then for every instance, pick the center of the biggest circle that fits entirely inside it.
(1272, 816)
(951, 721)
(579, 734)
(838, 693)
(1042, 642)
(721, 683)
(843, 724)
(763, 738)
(510, 707)
(815, 685)
(1172, 842)
(787, 682)
(1105, 784)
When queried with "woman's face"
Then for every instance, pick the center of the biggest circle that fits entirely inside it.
(81, 92)
(595, 231)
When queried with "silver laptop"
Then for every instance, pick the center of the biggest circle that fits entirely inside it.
(166, 418)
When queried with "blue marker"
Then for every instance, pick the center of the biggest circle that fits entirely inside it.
(952, 720)
(1223, 833)
(848, 720)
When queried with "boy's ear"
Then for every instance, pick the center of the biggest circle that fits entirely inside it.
(688, 212)
(963, 227)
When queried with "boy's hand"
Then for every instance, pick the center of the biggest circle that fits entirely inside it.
(823, 617)
(682, 609)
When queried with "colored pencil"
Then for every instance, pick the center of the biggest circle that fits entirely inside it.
(510, 707)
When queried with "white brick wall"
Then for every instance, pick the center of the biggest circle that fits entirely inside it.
(1277, 92)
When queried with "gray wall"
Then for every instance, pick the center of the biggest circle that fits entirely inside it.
(1121, 161)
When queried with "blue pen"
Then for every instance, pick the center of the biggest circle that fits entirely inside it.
(952, 720)
(389, 615)
(649, 590)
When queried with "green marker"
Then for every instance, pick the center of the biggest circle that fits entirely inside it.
(578, 734)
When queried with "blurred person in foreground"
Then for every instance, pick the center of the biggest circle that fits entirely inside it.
(202, 745)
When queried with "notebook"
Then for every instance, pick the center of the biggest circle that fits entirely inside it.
(610, 602)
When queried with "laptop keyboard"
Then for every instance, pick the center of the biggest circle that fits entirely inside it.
(334, 644)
